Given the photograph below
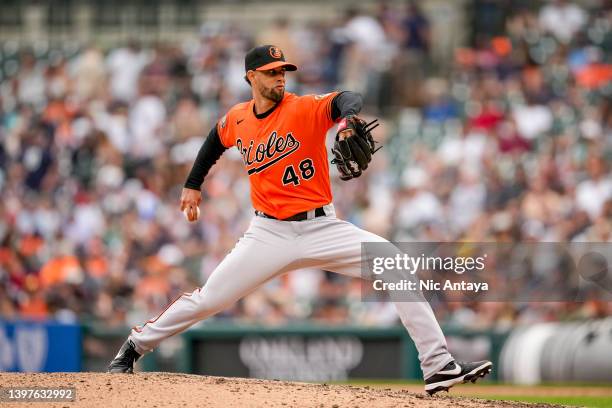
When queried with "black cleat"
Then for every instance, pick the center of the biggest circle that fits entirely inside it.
(456, 373)
(125, 359)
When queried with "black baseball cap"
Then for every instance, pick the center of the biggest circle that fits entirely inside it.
(266, 57)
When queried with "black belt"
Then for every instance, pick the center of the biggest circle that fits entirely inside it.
(318, 212)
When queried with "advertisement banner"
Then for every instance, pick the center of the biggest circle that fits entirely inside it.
(303, 353)
(39, 346)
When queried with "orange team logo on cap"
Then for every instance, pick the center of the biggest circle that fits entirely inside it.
(275, 52)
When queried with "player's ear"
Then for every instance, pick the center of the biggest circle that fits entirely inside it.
(246, 77)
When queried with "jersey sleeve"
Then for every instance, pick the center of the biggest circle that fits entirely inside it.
(225, 132)
(321, 106)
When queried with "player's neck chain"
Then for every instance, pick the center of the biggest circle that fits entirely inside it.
(267, 154)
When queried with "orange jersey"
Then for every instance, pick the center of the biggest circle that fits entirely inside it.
(284, 153)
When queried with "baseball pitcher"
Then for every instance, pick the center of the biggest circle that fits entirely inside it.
(281, 137)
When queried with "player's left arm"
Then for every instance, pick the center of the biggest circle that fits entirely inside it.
(346, 104)
(354, 144)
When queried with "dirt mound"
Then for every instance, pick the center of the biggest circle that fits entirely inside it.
(183, 390)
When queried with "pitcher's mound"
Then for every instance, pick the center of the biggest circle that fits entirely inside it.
(183, 390)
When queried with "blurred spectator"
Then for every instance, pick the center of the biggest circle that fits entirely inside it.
(417, 35)
(563, 19)
(146, 120)
(124, 66)
(89, 75)
(593, 192)
(366, 38)
(30, 81)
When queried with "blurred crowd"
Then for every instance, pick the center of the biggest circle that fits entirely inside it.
(512, 142)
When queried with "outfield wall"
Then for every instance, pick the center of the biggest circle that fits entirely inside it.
(546, 352)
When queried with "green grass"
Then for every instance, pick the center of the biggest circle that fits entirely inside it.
(586, 401)
(485, 383)
(591, 401)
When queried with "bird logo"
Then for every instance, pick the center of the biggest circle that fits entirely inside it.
(275, 52)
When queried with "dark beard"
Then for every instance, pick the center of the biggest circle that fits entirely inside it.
(273, 94)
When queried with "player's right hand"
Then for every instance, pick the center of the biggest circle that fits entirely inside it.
(190, 202)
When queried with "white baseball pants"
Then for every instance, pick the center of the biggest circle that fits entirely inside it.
(270, 248)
